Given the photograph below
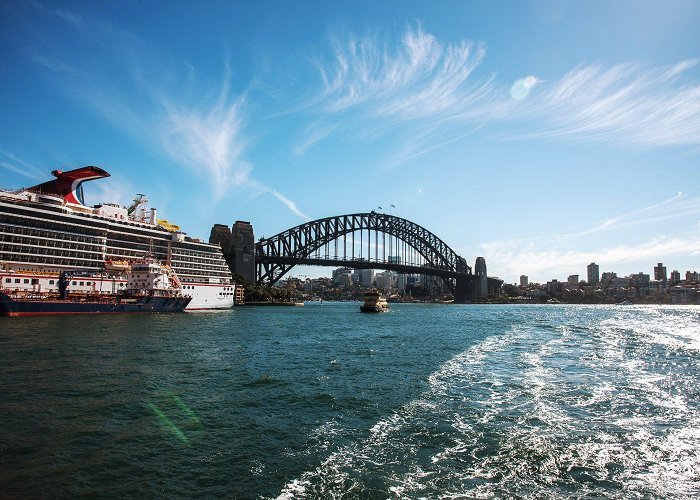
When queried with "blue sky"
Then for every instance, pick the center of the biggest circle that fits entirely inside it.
(540, 135)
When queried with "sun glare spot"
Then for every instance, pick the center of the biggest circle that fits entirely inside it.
(521, 88)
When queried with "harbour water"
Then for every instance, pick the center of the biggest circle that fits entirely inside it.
(324, 402)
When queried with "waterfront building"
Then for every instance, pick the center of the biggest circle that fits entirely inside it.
(553, 287)
(593, 274)
(684, 295)
(691, 277)
(660, 272)
(573, 279)
(606, 277)
(675, 277)
(616, 282)
(523, 280)
(640, 280)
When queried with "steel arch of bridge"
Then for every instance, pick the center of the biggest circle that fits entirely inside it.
(276, 255)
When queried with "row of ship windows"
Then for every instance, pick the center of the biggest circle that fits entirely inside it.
(67, 258)
(97, 255)
(50, 243)
(89, 226)
(87, 223)
(38, 259)
(126, 241)
(35, 281)
(22, 233)
(61, 234)
(67, 251)
(51, 224)
(109, 249)
(190, 287)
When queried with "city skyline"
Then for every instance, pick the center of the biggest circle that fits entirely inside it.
(584, 275)
(542, 136)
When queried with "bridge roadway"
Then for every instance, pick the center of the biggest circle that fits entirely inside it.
(362, 264)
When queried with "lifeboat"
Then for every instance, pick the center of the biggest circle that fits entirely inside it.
(117, 265)
(168, 226)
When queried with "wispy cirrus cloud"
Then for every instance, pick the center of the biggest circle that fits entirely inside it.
(289, 204)
(369, 85)
(420, 77)
(21, 167)
(625, 104)
(166, 105)
(429, 93)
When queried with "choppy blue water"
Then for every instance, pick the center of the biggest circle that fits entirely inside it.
(325, 402)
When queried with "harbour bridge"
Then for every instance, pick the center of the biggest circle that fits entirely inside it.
(358, 241)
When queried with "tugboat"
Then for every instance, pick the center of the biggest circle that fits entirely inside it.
(151, 288)
(374, 303)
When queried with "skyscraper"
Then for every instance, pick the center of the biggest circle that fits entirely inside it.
(593, 273)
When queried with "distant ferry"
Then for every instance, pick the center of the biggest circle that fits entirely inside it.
(151, 288)
(374, 303)
(47, 228)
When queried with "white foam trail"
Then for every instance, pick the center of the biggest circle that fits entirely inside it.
(373, 450)
(538, 410)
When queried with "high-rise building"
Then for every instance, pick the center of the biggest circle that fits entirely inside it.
(365, 277)
(342, 275)
(593, 273)
(640, 280)
(523, 280)
(660, 272)
(385, 280)
(675, 277)
(691, 277)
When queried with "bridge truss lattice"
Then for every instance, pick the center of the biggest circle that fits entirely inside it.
(361, 241)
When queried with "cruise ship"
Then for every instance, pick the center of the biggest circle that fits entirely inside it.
(47, 228)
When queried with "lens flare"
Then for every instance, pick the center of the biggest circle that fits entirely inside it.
(521, 88)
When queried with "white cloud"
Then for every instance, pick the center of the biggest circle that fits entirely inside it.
(547, 257)
(422, 77)
(289, 204)
(542, 263)
(625, 104)
(164, 104)
(21, 167)
(368, 86)
(426, 92)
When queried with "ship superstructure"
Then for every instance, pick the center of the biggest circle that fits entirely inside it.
(47, 228)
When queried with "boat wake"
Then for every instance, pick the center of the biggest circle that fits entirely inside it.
(544, 410)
